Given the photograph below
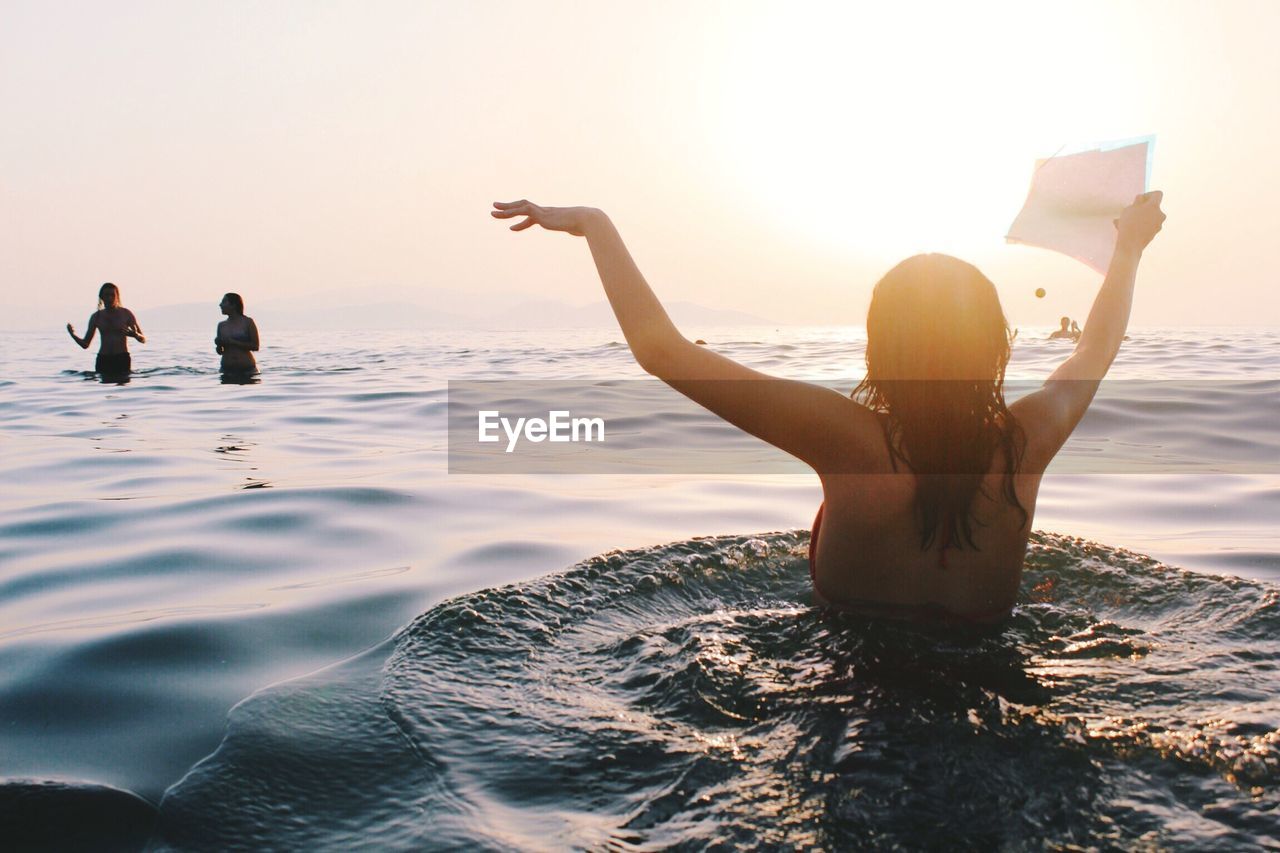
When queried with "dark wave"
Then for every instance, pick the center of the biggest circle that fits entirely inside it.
(70, 817)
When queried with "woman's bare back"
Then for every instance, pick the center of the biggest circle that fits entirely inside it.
(869, 548)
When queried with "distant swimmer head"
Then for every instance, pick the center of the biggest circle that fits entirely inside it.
(1066, 324)
(232, 304)
(108, 296)
(937, 348)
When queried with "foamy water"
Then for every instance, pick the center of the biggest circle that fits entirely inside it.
(171, 546)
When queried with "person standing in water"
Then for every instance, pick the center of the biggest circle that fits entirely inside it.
(1070, 330)
(929, 479)
(237, 338)
(116, 324)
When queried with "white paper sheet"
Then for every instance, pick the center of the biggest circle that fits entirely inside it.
(1075, 198)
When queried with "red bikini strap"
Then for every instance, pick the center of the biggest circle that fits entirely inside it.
(946, 540)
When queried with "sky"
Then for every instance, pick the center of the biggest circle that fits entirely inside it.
(771, 158)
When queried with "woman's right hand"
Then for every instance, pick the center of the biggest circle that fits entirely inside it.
(572, 220)
(71, 330)
(1141, 221)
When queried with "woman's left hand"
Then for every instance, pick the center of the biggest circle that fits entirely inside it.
(571, 220)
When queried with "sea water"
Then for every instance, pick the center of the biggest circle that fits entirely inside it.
(272, 612)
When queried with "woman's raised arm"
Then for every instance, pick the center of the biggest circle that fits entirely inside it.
(645, 324)
(1109, 317)
(1051, 413)
(824, 428)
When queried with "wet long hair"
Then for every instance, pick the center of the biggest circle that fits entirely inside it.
(937, 347)
(108, 290)
(236, 300)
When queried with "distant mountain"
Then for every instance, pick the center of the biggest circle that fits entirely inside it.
(377, 315)
(336, 310)
(552, 314)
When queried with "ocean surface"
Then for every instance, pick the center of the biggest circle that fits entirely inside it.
(268, 616)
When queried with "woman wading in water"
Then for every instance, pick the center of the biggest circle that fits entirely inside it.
(236, 339)
(117, 324)
(947, 540)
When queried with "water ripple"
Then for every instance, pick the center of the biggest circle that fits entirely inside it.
(686, 696)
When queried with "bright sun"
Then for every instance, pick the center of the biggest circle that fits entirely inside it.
(838, 131)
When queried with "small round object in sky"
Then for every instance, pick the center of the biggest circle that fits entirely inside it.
(1039, 293)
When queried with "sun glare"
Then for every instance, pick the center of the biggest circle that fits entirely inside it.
(836, 131)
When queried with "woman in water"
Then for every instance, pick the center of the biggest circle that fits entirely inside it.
(948, 540)
(237, 337)
(116, 323)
